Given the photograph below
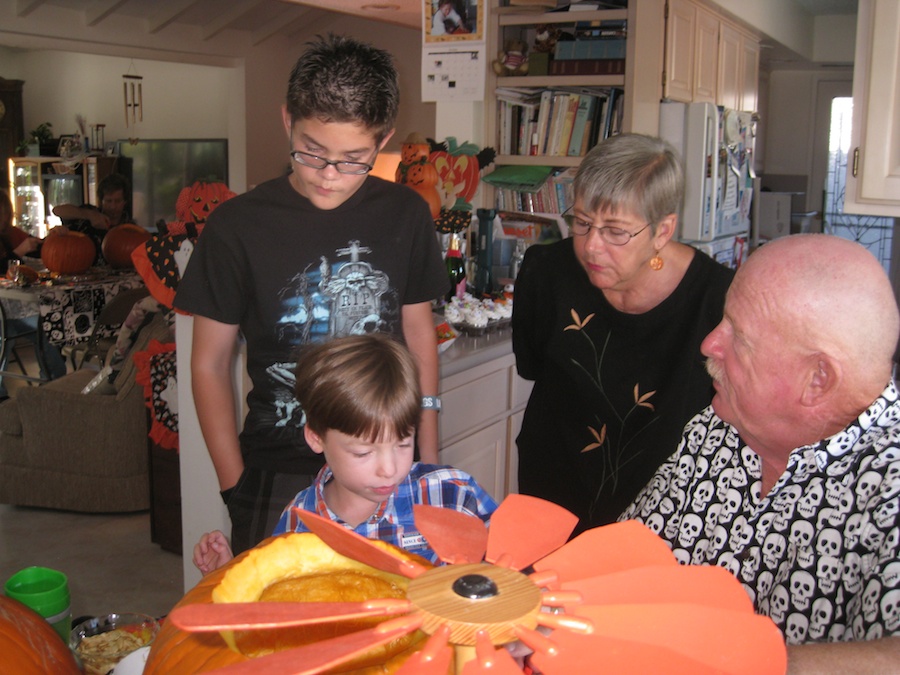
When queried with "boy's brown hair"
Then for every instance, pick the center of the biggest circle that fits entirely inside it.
(361, 385)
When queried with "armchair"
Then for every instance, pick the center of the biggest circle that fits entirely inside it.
(62, 449)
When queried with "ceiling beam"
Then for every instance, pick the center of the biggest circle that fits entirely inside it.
(222, 21)
(285, 17)
(26, 7)
(320, 23)
(100, 9)
(162, 19)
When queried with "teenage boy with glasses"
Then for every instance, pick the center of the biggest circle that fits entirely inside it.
(322, 252)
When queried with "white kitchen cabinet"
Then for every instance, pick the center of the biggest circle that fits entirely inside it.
(681, 31)
(692, 44)
(706, 48)
(728, 91)
(483, 398)
(483, 455)
(708, 58)
(873, 174)
(749, 79)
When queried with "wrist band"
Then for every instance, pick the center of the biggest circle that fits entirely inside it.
(431, 403)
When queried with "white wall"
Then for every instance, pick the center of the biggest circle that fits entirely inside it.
(792, 147)
(59, 85)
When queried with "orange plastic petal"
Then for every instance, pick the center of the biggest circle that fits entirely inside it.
(710, 639)
(490, 660)
(433, 659)
(456, 537)
(258, 615)
(696, 584)
(320, 656)
(526, 529)
(607, 549)
(352, 545)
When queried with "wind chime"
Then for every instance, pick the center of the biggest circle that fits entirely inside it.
(132, 87)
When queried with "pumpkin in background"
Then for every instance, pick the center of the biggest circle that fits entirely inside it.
(29, 645)
(301, 556)
(68, 252)
(120, 241)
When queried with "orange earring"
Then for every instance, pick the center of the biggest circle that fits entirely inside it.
(656, 263)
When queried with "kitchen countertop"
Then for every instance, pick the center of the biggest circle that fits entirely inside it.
(469, 352)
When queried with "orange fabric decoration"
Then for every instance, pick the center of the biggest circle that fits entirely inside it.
(157, 374)
(160, 260)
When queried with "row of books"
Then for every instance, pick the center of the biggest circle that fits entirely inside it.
(555, 195)
(559, 122)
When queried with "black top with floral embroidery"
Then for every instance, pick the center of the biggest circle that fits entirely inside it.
(612, 391)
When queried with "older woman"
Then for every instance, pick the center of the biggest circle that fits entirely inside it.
(608, 323)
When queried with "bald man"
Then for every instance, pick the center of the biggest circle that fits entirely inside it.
(791, 478)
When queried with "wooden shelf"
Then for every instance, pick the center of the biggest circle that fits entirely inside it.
(519, 16)
(537, 160)
(550, 81)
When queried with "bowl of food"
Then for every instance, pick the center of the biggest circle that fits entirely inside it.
(102, 641)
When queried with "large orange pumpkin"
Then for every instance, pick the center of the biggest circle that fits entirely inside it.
(120, 241)
(29, 645)
(175, 652)
(68, 252)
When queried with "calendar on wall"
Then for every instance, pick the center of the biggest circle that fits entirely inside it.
(453, 73)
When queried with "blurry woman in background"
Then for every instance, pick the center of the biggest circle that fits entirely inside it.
(608, 324)
(14, 245)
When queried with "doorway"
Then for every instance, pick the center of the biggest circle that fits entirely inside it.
(834, 108)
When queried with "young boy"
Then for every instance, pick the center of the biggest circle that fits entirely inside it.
(362, 402)
(322, 252)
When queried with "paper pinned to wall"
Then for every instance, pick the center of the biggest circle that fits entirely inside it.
(453, 73)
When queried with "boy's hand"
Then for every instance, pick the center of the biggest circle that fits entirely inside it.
(212, 551)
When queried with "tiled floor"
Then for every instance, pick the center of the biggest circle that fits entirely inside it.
(110, 561)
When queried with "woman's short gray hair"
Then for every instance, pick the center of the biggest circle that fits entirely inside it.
(632, 172)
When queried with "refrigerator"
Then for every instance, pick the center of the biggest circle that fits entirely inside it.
(716, 145)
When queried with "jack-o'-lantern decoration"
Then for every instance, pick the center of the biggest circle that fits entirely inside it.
(290, 567)
(415, 171)
(120, 241)
(423, 179)
(68, 252)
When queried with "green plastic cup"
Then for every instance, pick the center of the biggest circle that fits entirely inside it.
(45, 591)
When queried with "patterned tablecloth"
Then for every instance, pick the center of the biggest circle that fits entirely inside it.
(69, 310)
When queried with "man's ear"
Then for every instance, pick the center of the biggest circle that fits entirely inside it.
(313, 440)
(822, 380)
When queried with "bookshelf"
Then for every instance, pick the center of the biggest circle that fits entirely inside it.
(640, 90)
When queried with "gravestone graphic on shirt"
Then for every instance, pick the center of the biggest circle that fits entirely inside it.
(355, 294)
(326, 300)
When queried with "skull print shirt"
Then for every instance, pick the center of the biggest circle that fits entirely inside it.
(819, 554)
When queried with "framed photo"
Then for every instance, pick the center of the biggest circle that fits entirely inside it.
(66, 142)
(454, 21)
(111, 148)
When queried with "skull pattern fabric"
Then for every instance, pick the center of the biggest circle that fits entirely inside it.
(819, 554)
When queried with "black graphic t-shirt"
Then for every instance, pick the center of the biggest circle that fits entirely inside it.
(290, 274)
(820, 554)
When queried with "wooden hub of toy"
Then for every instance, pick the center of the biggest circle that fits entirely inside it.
(474, 597)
